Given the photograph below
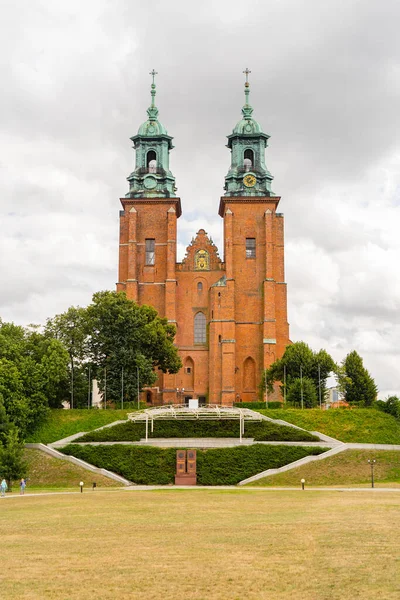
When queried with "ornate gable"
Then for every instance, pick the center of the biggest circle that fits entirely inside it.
(201, 255)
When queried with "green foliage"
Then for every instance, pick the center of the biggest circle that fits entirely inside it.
(298, 357)
(60, 423)
(156, 466)
(360, 388)
(302, 392)
(32, 366)
(363, 425)
(228, 466)
(391, 406)
(263, 431)
(123, 343)
(12, 464)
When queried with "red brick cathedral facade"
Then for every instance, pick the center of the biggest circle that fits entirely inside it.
(230, 314)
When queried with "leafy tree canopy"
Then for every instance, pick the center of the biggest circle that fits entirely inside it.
(12, 464)
(360, 388)
(122, 342)
(31, 368)
(302, 393)
(299, 358)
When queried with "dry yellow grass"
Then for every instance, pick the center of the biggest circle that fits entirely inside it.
(201, 544)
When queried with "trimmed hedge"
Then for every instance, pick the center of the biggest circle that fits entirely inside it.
(156, 466)
(262, 431)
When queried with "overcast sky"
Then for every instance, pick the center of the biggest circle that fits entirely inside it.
(325, 84)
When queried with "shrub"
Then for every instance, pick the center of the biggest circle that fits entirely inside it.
(260, 431)
(156, 466)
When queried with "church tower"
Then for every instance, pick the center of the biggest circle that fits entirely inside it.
(148, 224)
(230, 313)
(250, 309)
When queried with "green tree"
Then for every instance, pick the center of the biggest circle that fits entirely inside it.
(126, 341)
(299, 359)
(361, 388)
(12, 464)
(31, 368)
(302, 392)
(391, 406)
(71, 329)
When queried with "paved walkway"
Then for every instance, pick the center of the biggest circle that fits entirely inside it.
(203, 443)
(172, 488)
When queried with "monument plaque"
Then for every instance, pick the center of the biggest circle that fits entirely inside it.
(185, 467)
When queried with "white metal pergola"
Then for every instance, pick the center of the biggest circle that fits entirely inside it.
(181, 412)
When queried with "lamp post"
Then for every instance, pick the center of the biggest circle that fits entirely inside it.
(138, 387)
(122, 388)
(284, 384)
(319, 386)
(89, 386)
(105, 387)
(301, 387)
(372, 462)
(179, 393)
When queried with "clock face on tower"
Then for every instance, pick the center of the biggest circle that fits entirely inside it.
(150, 183)
(249, 180)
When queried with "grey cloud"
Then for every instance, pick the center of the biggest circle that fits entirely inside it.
(325, 85)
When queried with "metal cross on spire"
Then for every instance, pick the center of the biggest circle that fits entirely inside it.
(247, 73)
(153, 73)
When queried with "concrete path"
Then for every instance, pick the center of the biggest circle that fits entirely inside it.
(203, 443)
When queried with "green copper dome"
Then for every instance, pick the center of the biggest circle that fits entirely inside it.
(247, 125)
(152, 126)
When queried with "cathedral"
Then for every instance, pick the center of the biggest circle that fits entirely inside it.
(230, 312)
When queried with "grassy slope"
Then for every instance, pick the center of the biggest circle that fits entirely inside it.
(357, 425)
(63, 423)
(347, 468)
(44, 471)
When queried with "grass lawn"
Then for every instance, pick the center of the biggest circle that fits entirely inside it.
(349, 468)
(63, 423)
(362, 425)
(202, 545)
(48, 473)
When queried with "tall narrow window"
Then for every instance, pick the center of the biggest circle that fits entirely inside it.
(250, 247)
(199, 286)
(150, 252)
(151, 161)
(248, 159)
(200, 334)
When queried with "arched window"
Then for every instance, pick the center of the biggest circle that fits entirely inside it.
(199, 286)
(248, 159)
(200, 334)
(188, 377)
(151, 161)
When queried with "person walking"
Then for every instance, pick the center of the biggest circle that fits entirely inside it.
(3, 487)
(22, 486)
